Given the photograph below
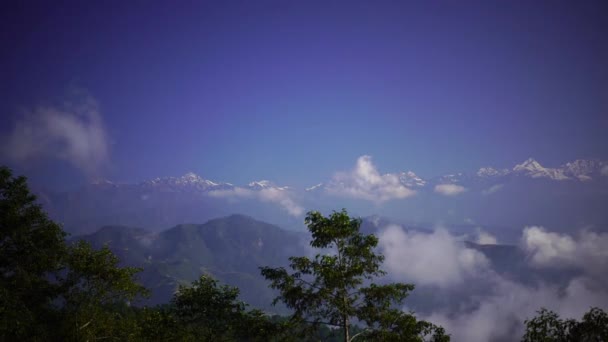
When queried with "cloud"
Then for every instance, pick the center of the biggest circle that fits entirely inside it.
(272, 195)
(491, 306)
(73, 132)
(605, 170)
(586, 251)
(485, 238)
(449, 189)
(500, 316)
(437, 259)
(492, 189)
(282, 198)
(365, 182)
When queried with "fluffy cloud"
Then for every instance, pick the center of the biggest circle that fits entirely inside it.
(365, 182)
(586, 251)
(280, 197)
(487, 305)
(485, 238)
(449, 189)
(500, 316)
(492, 189)
(605, 170)
(73, 132)
(437, 259)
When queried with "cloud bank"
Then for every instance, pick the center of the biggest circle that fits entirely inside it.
(449, 189)
(365, 182)
(488, 305)
(493, 189)
(428, 259)
(587, 251)
(280, 197)
(73, 132)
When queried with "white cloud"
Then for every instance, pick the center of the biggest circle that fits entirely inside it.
(437, 258)
(483, 305)
(282, 198)
(449, 189)
(272, 195)
(365, 182)
(586, 251)
(492, 189)
(500, 316)
(485, 238)
(73, 132)
(605, 170)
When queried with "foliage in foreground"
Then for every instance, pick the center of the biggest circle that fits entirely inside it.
(54, 291)
(549, 327)
(329, 289)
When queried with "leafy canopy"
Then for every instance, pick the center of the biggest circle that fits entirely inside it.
(330, 288)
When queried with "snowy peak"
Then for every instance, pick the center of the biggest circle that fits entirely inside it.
(583, 169)
(529, 165)
(314, 187)
(533, 169)
(265, 184)
(411, 180)
(188, 181)
(487, 172)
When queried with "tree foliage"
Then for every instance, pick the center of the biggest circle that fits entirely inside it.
(330, 288)
(547, 326)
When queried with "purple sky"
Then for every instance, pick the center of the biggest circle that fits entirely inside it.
(295, 91)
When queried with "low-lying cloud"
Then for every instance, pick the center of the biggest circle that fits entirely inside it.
(280, 197)
(587, 251)
(437, 259)
(449, 189)
(488, 305)
(493, 189)
(365, 182)
(73, 132)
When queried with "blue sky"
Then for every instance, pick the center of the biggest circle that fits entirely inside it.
(294, 92)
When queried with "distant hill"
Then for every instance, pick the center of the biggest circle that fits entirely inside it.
(230, 249)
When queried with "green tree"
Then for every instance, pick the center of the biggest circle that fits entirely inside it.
(547, 326)
(94, 290)
(329, 289)
(212, 312)
(50, 290)
(31, 249)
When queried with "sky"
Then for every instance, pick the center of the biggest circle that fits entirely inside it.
(297, 91)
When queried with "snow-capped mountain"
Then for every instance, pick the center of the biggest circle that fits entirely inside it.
(533, 169)
(411, 180)
(190, 182)
(489, 172)
(583, 169)
(314, 187)
(265, 184)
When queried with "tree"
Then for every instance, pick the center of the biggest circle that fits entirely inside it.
(95, 288)
(212, 312)
(329, 288)
(549, 327)
(50, 290)
(31, 249)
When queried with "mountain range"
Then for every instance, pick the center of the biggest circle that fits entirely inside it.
(232, 248)
(526, 194)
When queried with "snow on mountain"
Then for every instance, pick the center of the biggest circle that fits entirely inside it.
(189, 181)
(314, 187)
(265, 184)
(488, 172)
(534, 169)
(411, 180)
(583, 169)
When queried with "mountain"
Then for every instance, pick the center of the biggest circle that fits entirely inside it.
(230, 249)
(528, 193)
